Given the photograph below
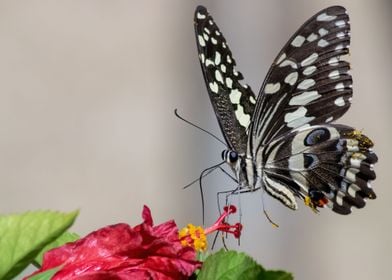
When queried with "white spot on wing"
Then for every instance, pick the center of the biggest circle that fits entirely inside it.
(309, 60)
(252, 100)
(288, 62)
(271, 88)
(243, 119)
(202, 57)
(351, 174)
(339, 86)
(340, 35)
(325, 17)
(334, 74)
(305, 84)
(339, 47)
(323, 31)
(206, 30)
(214, 41)
(223, 68)
(339, 101)
(200, 16)
(322, 43)
(205, 36)
(309, 70)
(201, 41)
(339, 198)
(297, 118)
(352, 190)
(298, 41)
(356, 162)
(334, 61)
(229, 82)
(304, 98)
(291, 78)
(329, 119)
(312, 37)
(280, 59)
(218, 76)
(228, 59)
(340, 23)
(217, 58)
(235, 96)
(209, 62)
(214, 87)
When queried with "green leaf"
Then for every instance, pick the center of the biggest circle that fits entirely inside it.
(22, 236)
(276, 275)
(46, 275)
(231, 265)
(61, 240)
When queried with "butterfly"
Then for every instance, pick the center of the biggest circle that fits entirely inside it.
(283, 140)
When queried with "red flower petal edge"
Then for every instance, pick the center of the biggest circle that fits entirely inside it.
(122, 252)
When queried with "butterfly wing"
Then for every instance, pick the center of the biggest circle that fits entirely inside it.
(309, 82)
(297, 153)
(232, 101)
(324, 164)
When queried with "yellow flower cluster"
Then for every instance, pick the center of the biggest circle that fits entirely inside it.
(193, 236)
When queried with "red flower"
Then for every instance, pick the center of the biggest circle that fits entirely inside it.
(122, 252)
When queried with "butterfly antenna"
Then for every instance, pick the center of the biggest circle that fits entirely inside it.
(201, 183)
(198, 127)
(227, 173)
(196, 180)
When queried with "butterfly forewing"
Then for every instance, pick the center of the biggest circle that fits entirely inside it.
(233, 102)
(309, 82)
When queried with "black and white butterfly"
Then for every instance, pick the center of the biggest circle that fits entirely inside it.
(283, 140)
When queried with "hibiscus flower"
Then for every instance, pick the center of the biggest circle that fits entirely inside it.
(122, 252)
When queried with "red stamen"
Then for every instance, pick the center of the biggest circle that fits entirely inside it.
(221, 225)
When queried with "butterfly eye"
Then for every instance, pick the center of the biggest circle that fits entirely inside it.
(229, 156)
(233, 156)
(317, 136)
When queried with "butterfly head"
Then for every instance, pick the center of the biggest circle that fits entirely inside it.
(231, 157)
(237, 162)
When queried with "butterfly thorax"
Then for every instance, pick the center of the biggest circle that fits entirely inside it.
(244, 169)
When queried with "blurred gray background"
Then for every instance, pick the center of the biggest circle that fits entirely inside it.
(87, 93)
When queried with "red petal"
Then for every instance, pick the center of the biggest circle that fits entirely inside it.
(146, 214)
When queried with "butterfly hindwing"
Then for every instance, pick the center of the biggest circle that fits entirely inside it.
(327, 164)
(233, 102)
(309, 82)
